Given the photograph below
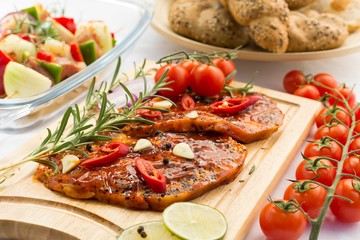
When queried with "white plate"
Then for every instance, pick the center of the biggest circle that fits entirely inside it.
(160, 23)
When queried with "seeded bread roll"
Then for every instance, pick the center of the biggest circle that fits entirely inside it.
(349, 10)
(207, 21)
(296, 4)
(267, 20)
(315, 32)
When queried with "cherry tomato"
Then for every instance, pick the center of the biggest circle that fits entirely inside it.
(352, 166)
(327, 115)
(343, 210)
(323, 147)
(207, 80)
(322, 171)
(189, 64)
(310, 196)
(176, 73)
(308, 91)
(327, 80)
(345, 92)
(226, 66)
(336, 131)
(355, 145)
(279, 224)
(357, 128)
(293, 80)
(357, 113)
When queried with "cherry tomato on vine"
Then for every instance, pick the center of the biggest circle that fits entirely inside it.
(352, 166)
(332, 114)
(355, 145)
(323, 147)
(207, 80)
(226, 66)
(336, 131)
(345, 92)
(189, 64)
(310, 196)
(279, 224)
(357, 113)
(343, 210)
(293, 80)
(357, 128)
(322, 171)
(327, 80)
(176, 73)
(308, 91)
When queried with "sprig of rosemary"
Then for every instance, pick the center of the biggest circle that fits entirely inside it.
(42, 29)
(79, 127)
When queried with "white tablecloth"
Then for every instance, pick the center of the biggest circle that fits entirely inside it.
(153, 46)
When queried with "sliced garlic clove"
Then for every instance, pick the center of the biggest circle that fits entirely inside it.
(192, 114)
(69, 162)
(183, 150)
(162, 104)
(142, 144)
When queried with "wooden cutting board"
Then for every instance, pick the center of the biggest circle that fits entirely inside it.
(28, 210)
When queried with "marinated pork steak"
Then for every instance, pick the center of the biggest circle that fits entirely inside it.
(255, 123)
(218, 160)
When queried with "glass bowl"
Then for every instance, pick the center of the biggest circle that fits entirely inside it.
(128, 19)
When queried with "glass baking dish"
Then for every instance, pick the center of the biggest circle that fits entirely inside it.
(128, 19)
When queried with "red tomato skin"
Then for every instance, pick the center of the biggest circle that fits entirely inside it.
(334, 150)
(343, 210)
(308, 91)
(357, 128)
(323, 175)
(311, 200)
(337, 131)
(357, 113)
(325, 116)
(226, 66)
(277, 224)
(189, 65)
(351, 166)
(347, 93)
(293, 80)
(327, 80)
(176, 73)
(207, 80)
(355, 145)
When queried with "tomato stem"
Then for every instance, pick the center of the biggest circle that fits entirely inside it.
(317, 223)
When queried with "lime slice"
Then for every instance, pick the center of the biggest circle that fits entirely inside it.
(149, 231)
(194, 221)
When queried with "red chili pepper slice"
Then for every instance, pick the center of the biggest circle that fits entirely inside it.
(187, 102)
(150, 114)
(153, 178)
(112, 150)
(76, 53)
(46, 56)
(234, 105)
(68, 23)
